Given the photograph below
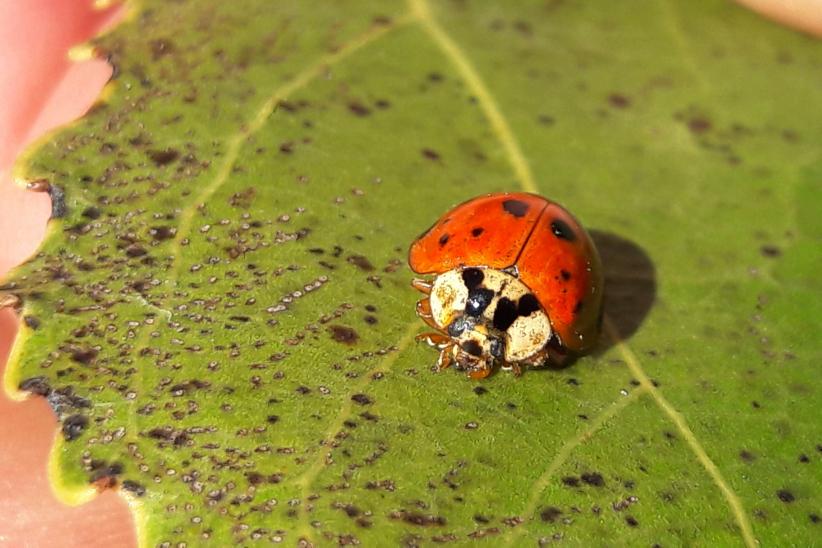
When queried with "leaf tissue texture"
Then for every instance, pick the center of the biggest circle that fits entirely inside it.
(221, 315)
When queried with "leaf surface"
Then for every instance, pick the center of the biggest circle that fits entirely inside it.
(221, 314)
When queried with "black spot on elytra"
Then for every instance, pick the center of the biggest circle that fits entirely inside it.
(472, 347)
(362, 399)
(785, 496)
(134, 488)
(36, 385)
(478, 300)
(561, 230)
(527, 304)
(593, 478)
(163, 157)
(517, 208)
(476, 232)
(578, 307)
(73, 426)
(343, 334)
(505, 314)
(565, 275)
(444, 239)
(550, 514)
(472, 277)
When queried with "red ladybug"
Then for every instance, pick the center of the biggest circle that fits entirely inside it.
(517, 281)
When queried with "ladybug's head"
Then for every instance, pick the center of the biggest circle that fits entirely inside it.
(490, 315)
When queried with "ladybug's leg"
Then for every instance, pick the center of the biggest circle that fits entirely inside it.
(424, 312)
(436, 340)
(421, 285)
(478, 374)
(556, 356)
(516, 369)
(446, 358)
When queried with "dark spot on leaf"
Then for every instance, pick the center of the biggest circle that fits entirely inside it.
(343, 334)
(134, 488)
(631, 521)
(747, 456)
(161, 233)
(287, 147)
(570, 481)
(699, 124)
(370, 320)
(163, 157)
(371, 308)
(91, 213)
(160, 48)
(272, 419)
(31, 321)
(618, 100)
(361, 262)
(73, 426)
(814, 518)
(550, 514)
(475, 232)
(358, 108)
(517, 208)
(83, 355)
(58, 202)
(135, 250)
(770, 251)
(593, 478)
(803, 458)
(472, 277)
(362, 399)
(430, 154)
(562, 231)
(785, 496)
(417, 518)
(480, 390)
(36, 385)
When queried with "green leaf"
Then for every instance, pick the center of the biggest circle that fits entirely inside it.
(222, 319)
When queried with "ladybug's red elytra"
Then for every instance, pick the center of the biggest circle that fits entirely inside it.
(517, 282)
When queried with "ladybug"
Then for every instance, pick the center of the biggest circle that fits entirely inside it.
(516, 282)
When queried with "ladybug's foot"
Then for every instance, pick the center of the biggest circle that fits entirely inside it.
(516, 369)
(445, 359)
(478, 374)
(421, 285)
